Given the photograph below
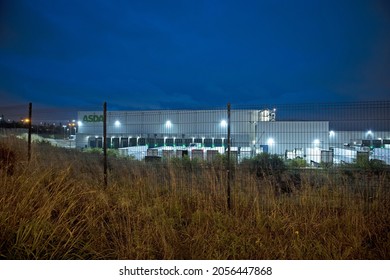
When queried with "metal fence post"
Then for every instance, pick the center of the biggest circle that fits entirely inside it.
(29, 131)
(105, 143)
(228, 160)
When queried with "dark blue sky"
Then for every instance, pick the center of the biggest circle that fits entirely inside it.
(180, 54)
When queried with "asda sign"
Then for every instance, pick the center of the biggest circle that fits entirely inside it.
(93, 118)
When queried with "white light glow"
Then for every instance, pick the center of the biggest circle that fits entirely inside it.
(168, 124)
(316, 141)
(270, 141)
(79, 123)
(224, 123)
(331, 133)
(117, 123)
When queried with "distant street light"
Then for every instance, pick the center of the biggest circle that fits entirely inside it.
(72, 124)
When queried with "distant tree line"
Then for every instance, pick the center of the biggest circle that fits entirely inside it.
(57, 130)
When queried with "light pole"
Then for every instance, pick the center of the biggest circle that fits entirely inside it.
(64, 126)
(254, 138)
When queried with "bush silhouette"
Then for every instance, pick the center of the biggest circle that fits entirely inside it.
(265, 164)
(7, 160)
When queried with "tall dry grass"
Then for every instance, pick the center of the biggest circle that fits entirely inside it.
(56, 207)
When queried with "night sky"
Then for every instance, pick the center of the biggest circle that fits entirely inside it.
(181, 54)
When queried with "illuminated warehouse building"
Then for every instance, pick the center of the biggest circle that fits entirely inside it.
(252, 131)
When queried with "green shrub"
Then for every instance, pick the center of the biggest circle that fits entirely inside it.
(297, 163)
(93, 150)
(377, 166)
(110, 152)
(265, 164)
(185, 162)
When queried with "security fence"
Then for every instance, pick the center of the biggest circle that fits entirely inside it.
(243, 150)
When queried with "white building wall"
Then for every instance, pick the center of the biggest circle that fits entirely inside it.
(279, 137)
(246, 129)
(197, 122)
(192, 124)
(339, 138)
